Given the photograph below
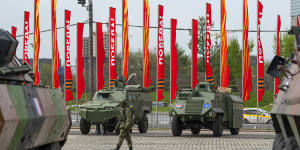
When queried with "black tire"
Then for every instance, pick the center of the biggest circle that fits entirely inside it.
(84, 126)
(218, 126)
(195, 131)
(98, 130)
(176, 126)
(143, 124)
(234, 131)
(291, 144)
(52, 146)
(279, 142)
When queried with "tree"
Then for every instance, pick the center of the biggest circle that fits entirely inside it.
(286, 43)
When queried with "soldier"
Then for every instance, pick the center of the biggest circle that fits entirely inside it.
(125, 124)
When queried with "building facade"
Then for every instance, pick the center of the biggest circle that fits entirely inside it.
(295, 11)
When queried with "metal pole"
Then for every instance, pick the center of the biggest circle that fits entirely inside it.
(257, 119)
(91, 60)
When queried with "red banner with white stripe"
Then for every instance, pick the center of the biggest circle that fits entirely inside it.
(14, 33)
(26, 37)
(68, 72)
(260, 56)
(112, 43)
(160, 55)
(208, 70)
(277, 80)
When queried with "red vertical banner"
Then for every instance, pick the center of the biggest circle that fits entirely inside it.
(55, 51)
(208, 71)
(80, 62)
(100, 56)
(277, 80)
(36, 42)
(174, 65)
(260, 56)
(160, 55)
(125, 39)
(112, 43)
(147, 79)
(194, 53)
(68, 72)
(298, 23)
(224, 49)
(247, 81)
(26, 37)
(14, 33)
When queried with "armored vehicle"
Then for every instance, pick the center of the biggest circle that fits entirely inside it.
(203, 107)
(104, 109)
(286, 107)
(31, 117)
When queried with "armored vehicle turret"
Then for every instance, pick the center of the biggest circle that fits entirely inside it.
(104, 109)
(203, 107)
(31, 117)
(286, 107)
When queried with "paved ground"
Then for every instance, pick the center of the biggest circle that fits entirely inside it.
(163, 140)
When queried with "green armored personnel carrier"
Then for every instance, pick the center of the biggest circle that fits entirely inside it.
(104, 108)
(31, 117)
(286, 107)
(203, 107)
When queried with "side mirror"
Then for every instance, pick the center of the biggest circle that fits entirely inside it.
(273, 69)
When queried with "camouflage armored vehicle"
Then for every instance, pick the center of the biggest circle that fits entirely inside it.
(30, 117)
(203, 107)
(286, 107)
(104, 109)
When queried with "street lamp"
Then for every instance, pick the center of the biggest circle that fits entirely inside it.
(91, 62)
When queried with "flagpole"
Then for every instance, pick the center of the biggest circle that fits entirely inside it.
(109, 29)
(52, 43)
(122, 37)
(77, 79)
(171, 62)
(192, 64)
(257, 121)
(221, 43)
(65, 97)
(144, 42)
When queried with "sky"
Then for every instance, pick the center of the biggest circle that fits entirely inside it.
(12, 14)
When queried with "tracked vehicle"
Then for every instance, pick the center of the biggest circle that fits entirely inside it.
(104, 109)
(203, 107)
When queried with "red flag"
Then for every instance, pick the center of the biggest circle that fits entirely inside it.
(277, 80)
(55, 51)
(160, 55)
(247, 81)
(208, 70)
(26, 37)
(112, 60)
(68, 72)
(195, 53)
(100, 56)
(260, 56)
(80, 62)
(298, 23)
(224, 49)
(174, 65)
(14, 33)
(147, 79)
(125, 39)
(36, 42)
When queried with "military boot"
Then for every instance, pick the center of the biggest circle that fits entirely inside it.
(117, 148)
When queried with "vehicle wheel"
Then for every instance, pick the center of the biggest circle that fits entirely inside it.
(195, 131)
(218, 126)
(84, 126)
(143, 124)
(291, 144)
(246, 121)
(176, 126)
(279, 142)
(52, 146)
(234, 131)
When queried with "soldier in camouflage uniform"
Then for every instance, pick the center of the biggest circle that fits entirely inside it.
(125, 125)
